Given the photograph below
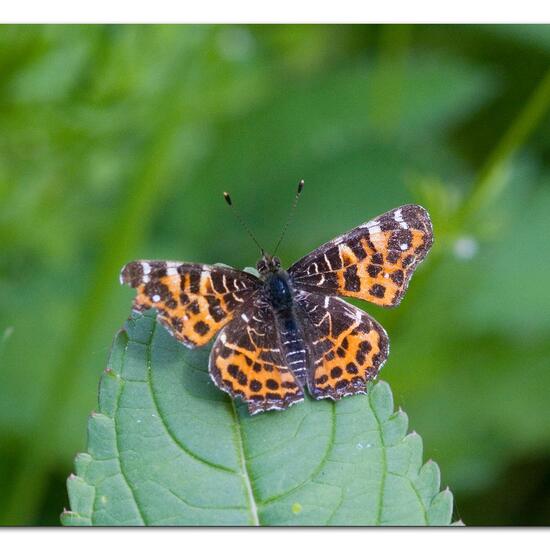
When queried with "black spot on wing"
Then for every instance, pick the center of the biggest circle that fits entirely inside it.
(132, 274)
(357, 249)
(351, 368)
(200, 327)
(393, 256)
(336, 372)
(156, 288)
(400, 239)
(214, 308)
(397, 277)
(377, 258)
(351, 280)
(374, 270)
(333, 256)
(377, 290)
(194, 281)
(255, 385)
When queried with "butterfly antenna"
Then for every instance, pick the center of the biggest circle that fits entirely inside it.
(289, 219)
(241, 221)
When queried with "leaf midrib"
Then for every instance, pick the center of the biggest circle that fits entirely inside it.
(249, 487)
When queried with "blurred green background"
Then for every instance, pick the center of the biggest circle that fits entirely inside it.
(116, 143)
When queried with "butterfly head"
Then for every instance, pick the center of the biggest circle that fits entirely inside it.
(268, 264)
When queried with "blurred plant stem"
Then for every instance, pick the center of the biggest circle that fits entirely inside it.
(139, 205)
(490, 180)
(395, 41)
(488, 184)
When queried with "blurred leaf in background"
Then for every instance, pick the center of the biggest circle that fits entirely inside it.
(117, 141)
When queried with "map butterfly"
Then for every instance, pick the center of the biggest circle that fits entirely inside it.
(288, 330)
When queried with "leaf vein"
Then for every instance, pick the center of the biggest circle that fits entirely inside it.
(322, 462)
(168, 430)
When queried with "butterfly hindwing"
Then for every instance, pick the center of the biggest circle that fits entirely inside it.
(347, 346)
(373, 262)
(246, 362)
(194, 301)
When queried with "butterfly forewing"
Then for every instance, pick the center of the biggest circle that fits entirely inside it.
(373, 262)
(347, 346)
(246, 361)
(194, 301)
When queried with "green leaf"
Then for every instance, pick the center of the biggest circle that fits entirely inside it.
(168, 448)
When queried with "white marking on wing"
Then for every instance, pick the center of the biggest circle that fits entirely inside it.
(224, 282)
(371, 225)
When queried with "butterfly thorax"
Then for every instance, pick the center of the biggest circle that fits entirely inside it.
(277, 285)
(278, 290)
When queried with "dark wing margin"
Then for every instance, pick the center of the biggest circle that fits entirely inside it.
(347, 346)
(373, 262)
(194, 301)
(246, 362)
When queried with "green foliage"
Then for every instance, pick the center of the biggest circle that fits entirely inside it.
(117, 141)
(168, 448)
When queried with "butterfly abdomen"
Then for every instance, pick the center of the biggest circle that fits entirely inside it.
(292, 343)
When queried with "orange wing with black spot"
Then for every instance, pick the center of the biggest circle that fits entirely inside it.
(347, 346)
(246, 362)
(194, 301)
(373, 262)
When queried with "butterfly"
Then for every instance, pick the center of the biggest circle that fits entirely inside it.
(283, 331)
